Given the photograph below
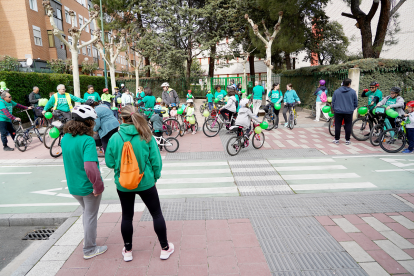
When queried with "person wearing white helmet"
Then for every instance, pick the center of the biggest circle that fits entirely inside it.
(245, 115)
(83, 177)
(169, 95)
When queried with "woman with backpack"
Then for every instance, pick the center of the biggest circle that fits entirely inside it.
(321, 94)
(134, 143)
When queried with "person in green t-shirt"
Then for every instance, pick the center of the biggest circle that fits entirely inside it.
(210, 97)
(275, 96)
(83, 177)
(394, 101)
(91, 94)
(258, 92)
(6, 117)
(374, 94)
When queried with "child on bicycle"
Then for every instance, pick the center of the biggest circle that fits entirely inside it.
(174, 115)
(245, 115)
(165, 115)
(289, 100)
(275, 96)
(190, 114)
(231, 106)
(409, 127)
(157, 121)
(394, 101)
(189, 95)
(210, 97)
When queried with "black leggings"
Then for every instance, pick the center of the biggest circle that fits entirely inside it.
(272, 106)
(287, 108)
(105, 139)
(152, 201)
(159, 134)
(224, 111)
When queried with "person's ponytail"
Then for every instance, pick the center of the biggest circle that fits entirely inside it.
(130, 116)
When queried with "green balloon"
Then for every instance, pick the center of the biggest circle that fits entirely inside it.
(114, 108)
(206, 113)
(326, 109)
(362, 110)
(180, 111)
(54, 133)
(3, 84)
(329, 99)
(373, 111)
(48, 115)
(277, 106)
(191, 120)
(330, 114)
(243, 91)
(248, 97)
(216, 100)
(258, 130)
(119, 100)
(264, 125)
(391, 113)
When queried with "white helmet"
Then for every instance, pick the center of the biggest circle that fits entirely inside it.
(165, 84)
(244, 102)
(190, 101)
(4, 90)
(83, 113)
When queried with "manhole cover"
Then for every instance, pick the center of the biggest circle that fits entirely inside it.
(42, 234)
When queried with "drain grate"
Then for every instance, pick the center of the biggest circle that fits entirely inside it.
(42, 234)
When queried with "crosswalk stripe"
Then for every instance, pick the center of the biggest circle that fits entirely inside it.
(257, 178)
(16, 173)
(293, 161)
(193, 164)
(194, 180)
(253, 169)
(198, 191)
(175, 172)
(319, 176)
(277, 188)
(310, 168)
(256, 162)
(332, 186)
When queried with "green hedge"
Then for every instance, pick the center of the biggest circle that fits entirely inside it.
(21, 84)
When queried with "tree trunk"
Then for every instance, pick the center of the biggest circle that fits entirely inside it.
(366, 35)
(75, 71)
(147, 63)
(382, 27)
(136, 79)
(188, 74)
(112, 76)
(251, 64)
(212, 59)
(269, 67)
(244, 78)
(288, 61)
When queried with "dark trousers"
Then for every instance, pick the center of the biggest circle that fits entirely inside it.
(347, 118)
(410, 136)
(210, 106)
(224, 111)
(272, 108)
(6, 128)
(286, 109)
(105, 139)
(152, 201)
(158, 134)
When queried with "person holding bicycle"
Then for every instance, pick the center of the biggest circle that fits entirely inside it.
(290, 98)
(6, 117)
(231, 106)
(374, 95)
(245, 116)
(62, 103)
(169, 95)
(394, 101)
(276, 97)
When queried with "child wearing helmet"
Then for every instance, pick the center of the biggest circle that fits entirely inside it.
(245, 115)
(394, 101)
(190, 114)
(106, 97)
(156, 120)
(409, 127)
(319, 104)
(209, 97)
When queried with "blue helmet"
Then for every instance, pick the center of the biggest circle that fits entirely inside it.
(173, 104)
(157, 109)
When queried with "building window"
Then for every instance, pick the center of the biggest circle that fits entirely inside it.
(78, 48)
(67, 17)
(89, 50)
(51, 39)
(37, 36)
(84, 49)
(76, 22)
(58, 19)
(70, 40)
(87, 26)
(80, 21)
(33, 4)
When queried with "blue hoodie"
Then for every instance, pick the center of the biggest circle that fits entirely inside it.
(344, 100)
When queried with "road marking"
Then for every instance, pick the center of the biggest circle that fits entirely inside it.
(12, 173)
(293, 161)
(256, 162)
(253, 169)
(362, 156)
(346, 225)
(257, 178)
(292, 143)
(319, 176)
(404, 222)
(39, 204)
(198, 191)
(194, 180)
(47, 192)
(336, 186)
(31, 166)
(174, 172)
(194, 164)
(376, 224)
(394, 251)
(106, 179)
(395, 170)
(310, 168)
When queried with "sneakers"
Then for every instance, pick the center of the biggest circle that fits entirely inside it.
(6, 148)
(165, 254)
(127, 255)
(193, 132)
(98, 251)
(286, 124)
(347, 142)
(276, 126)
(316, 120)
(407, 151)
(335, 142)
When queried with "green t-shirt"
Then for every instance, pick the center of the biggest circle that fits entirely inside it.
(149, 101)
(94, 96)
(275, 96)
(77, 150)
(371, 96)
(209, 97)
(258, 91)
(9, 106)
(220, 95)
(391, 101)
(62, 102)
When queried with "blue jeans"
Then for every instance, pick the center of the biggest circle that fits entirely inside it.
(210, 106)
(410, 136)
(5, 129)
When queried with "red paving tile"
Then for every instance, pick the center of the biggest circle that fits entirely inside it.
(193, 241)
(241, 228)
(77, 261)
(194, 227)
(193, 270)
(383, 218)
(248, 240)
(193, 257)
(114, 252)
(173, 236)
(338, 233)
(222, 265)
(218, 234)
(250, 255)
(72, 272)
(109, 217)
(388, 263)
(260, 269)
(143, 243)
(115, 237)
(325, 220)
(174, 225)
(215, 224)
(334, 217)
(137, 216)
(163, 267)
(409, 252)
(145, 230)
(105, 229)
(364, 241)
(104, 267)
(370, 232)
(220, 248)
(392, 214)
(132, 271)
(140, 258)
(354, 219)
(409, 215)
(404, 232)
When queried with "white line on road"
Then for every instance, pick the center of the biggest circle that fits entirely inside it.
(336, 186)
(198, 191)
(205, 171)
(31, 166)
(15, 173)
(319, 176)
(194, 180)
(194, 164)
(293, 161)
(38, 204)
(253, 169)
(310, 168)
(395, 170)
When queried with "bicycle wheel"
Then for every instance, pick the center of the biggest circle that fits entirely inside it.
(55, 148)
(375, 135)
(233, 146)
(361, 129)
(36, 131)
(211, 127)
(182, 130)
(313, 111)
(258, 140)
(392, 140)
(332, 126)
(202, 107)
(291, 121)
(20, 141)
(171, 127)
(270, 119)
(47, 140)
(171, 144)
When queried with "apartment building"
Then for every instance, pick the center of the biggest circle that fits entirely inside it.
(26, 32)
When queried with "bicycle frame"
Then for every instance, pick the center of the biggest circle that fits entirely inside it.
(163, 140)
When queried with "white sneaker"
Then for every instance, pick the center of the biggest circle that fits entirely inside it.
(165, 254)
(98, 251)
(127, 255)
(316, 120)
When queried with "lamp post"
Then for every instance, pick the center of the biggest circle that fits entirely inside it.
(103, 42)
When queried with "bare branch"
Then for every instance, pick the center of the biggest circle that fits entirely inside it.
(348, 15)
(373, 10)
(395, 9)
(277, 26)
(256, 30)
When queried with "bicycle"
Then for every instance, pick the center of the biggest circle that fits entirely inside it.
(235, 144)
(187, 126)
(56, 148)
(332, 126)
(361, 127)
(270, 116)
(393, 140)
(293, 116)
(212, 126)
(203, 107)
(59, 122)
(383, 124)
(24, 137)
(170, 144)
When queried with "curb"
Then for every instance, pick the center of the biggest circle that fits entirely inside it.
(36, 219)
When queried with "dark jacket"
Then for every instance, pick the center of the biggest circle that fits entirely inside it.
(34, 99)
(344, 100)
(323, 88)
(170, 97)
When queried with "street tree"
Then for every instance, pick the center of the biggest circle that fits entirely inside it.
(372, 48)
(75, 33)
